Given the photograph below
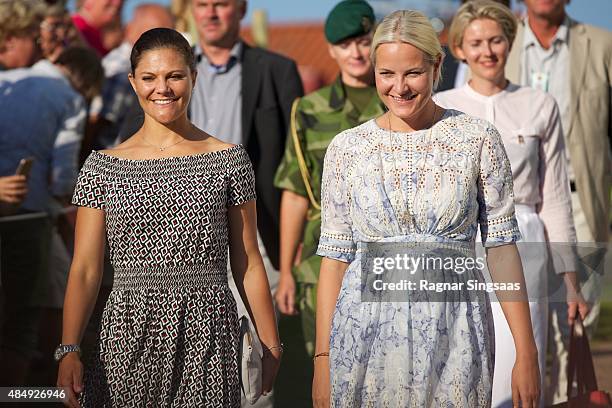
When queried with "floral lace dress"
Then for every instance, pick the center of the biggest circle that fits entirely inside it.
(169, 331)
(433, 186)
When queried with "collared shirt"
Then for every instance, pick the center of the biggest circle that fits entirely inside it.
(216, 104)
(43, 117)
(549, 69)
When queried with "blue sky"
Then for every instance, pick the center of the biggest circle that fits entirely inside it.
(596, 12)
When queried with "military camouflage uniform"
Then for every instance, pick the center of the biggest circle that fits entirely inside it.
(319, 117)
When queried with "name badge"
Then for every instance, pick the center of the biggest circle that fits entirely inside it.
(539, 80)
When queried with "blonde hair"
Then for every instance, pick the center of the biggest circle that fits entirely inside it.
(413, 28)
(480, 9)
(19, 18)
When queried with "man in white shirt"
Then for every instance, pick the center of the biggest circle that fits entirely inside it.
(573, 62)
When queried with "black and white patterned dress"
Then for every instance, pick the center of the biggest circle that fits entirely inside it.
(169, 333)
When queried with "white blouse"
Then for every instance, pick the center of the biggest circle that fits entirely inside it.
(529, 123)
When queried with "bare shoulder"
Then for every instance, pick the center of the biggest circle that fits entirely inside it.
(121, 152)
(135, 149)
(213, 144)
(126, 149)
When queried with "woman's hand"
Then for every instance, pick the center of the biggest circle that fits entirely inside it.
(321, 384)
(526, 381)
(70, 378)
(271, 364)
(575, 301)
(285, 294)
(577, 304)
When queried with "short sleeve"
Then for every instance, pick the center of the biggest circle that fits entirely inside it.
(90, 190)
(336, 241)
(241, 179)
(498, 223)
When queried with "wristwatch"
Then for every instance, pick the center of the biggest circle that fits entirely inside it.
(64, 349)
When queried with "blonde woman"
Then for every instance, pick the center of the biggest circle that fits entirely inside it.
(389, 181)
(481, 34)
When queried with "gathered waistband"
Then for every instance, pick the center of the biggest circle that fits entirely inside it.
(419, 242)
(169, 277)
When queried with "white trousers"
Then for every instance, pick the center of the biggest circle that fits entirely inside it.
(534, 267)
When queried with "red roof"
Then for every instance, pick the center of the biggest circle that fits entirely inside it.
(304, 43)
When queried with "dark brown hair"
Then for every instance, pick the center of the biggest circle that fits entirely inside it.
(158, 38)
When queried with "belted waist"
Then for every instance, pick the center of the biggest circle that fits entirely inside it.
(169, 277)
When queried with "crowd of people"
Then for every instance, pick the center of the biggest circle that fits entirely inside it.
(155, 192)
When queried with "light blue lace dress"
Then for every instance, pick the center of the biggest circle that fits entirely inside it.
(426, 186)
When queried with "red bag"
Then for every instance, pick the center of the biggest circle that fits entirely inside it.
(580, 366)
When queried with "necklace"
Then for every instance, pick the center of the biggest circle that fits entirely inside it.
(408, 216)
(161, 148)
(433, 119)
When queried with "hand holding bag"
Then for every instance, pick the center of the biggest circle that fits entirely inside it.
(580, 366)
(251, 354)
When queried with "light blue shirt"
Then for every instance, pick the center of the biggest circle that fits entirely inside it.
(549, 70)
(41, 116)
(216, 103)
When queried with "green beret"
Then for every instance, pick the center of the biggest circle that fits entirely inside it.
(350, 18)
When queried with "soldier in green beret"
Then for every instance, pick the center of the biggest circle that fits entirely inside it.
(316, 118)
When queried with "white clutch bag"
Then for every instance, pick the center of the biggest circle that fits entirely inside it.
(251, 354)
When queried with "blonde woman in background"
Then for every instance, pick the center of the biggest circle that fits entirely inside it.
(384, 181)
(481, 34)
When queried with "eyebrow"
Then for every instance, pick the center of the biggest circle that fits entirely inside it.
(419, 68)
(175, 71)
(485, 38)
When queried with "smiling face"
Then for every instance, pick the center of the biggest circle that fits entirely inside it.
(485, 48)
(404, 79)
(352, 57)
(218, 21)
(163, 83)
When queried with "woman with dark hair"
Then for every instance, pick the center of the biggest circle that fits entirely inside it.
(170, 201)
